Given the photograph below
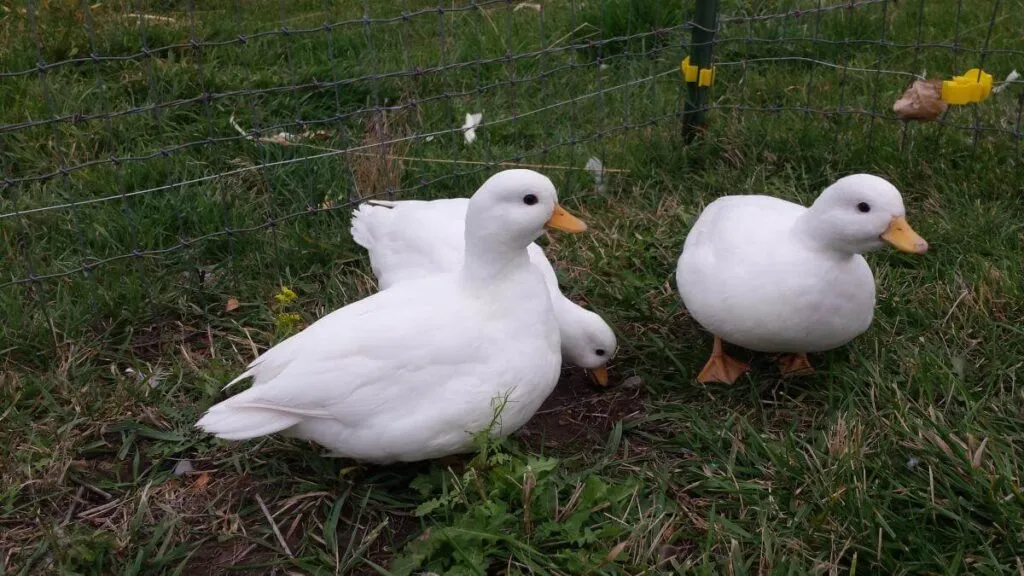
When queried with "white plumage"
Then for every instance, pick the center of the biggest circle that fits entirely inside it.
(774, 276)
(413, 372)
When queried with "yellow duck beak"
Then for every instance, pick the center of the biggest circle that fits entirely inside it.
(902, 237)
(600, 375)
(562, 220)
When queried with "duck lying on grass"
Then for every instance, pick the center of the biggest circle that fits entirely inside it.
(777, 277)
(413, 372)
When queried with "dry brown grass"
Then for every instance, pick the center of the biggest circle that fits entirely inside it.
(378, 165)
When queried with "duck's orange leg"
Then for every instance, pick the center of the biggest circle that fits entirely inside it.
(721, 367)
(795, 365)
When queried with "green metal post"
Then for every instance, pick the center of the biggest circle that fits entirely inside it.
(701, 44)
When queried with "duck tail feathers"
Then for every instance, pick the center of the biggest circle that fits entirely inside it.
(242, 422)
(365, 219)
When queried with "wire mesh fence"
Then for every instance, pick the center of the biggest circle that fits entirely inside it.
(157, 156)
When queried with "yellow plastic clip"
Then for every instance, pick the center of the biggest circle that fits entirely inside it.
(706, 76)
(973, 86)
(691, 73)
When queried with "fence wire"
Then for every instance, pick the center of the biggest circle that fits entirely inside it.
(236, 137)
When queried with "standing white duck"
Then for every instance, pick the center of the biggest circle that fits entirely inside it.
(773, 276)
(410, 239)
(413, 372)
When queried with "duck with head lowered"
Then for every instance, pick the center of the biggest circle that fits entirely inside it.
(415, 371)
(777, 277)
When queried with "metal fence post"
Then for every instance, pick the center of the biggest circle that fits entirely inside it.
(701, 45)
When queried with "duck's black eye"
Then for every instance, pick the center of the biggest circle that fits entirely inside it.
(529, 199)
(599, 352)
(864, 207)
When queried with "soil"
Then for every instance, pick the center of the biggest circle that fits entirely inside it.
(579, 414)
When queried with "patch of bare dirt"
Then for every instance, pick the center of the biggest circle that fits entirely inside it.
(215, 558)
(578, 415)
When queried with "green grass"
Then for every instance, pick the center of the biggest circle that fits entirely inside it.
(902, 454)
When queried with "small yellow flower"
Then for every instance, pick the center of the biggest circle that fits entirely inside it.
(287, 320)
(285, 296)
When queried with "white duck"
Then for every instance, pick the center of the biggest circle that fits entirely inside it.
(773, 276)
(411, 373)
(411, 239)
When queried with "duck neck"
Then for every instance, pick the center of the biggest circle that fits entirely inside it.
(488, 260)
(566, 323)
(819, 234)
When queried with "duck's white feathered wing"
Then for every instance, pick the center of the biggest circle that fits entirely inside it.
(733, 240)
(411, 239)
(339, 368)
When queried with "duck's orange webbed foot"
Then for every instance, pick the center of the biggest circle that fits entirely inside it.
(721, 367)
(795, 365)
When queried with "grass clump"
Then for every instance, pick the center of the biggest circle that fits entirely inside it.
(508, 504)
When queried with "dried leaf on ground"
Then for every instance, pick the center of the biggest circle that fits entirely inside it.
(921, 101)
(201, 482)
